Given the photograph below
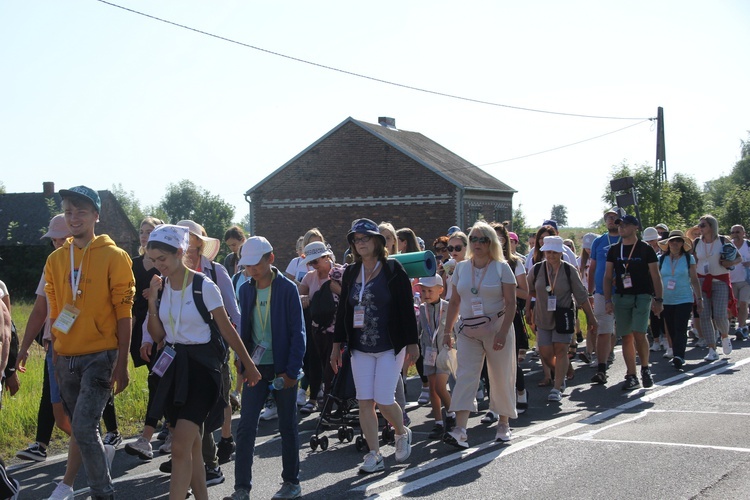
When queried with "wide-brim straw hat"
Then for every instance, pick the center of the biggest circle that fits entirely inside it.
(687, 245)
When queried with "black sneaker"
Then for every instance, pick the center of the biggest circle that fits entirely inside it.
(214, 476)
(678, 362)
(34, 452)
(648, 381)
(584, 356)
(450, 423)
(631, 382)
(166, 467)
(224, 450)
(600, 378)
(437, 432)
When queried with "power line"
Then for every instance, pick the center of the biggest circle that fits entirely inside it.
(367, 77)
(567, 145)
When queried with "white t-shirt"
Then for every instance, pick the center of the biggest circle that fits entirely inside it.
(490, 291)
(709, 254)
(297, 269)
(3, 290)
(40, 291)
(738, 274)
(189, 325)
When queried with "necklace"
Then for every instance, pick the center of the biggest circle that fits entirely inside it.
(475, 273)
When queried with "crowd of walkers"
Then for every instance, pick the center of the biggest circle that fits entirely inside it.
(188, 319)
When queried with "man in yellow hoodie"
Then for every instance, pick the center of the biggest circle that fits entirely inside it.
(90, 287)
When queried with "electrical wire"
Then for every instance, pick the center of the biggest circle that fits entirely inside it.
(367, 77)
(567, 145)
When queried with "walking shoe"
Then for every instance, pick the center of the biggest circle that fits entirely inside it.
(301, 397)
(480, 394)
(167, 446)
(269, 412)
(234, 400)
(503, 433)
(450, 423)
(309, 407)
(522, 402)
(34, 451)
(584, 357)
(163, 433)
(554, 395)
(631, 382)
(457, 438)
(113, 438)
(744, 332)
(373, 462)
(579, 337)
(702, 343)
(109, 454)
(436, 432)
(424, 396)
(62, 492)
(648, 381)
(726, 346)
(403, 445)
(669, 354)
(288, 490)
(224, 449)
(711, 356)
(239, 494)
(166, 467)
(678, 362)
(611, 357)
(489, 418)
(600, 378)
(140, 448)
(594, 362)
(214, 476)
(656, 346)
(407, 418)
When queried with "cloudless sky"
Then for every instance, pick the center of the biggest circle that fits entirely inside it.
(93, 94)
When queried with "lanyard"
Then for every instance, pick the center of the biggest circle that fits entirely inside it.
(629, 256)
(432, 330)
(175, 325)
(364, 281)
(75, 278)
(673, 263)
(610, 241)
(475, 288)
(263, 318)
(551, 289)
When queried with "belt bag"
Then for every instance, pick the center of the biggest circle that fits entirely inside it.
(480, 326)
(565, 320)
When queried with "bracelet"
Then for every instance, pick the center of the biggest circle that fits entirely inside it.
(153, 314)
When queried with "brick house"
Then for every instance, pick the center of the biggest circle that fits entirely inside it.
(361, 169)
(24, 218)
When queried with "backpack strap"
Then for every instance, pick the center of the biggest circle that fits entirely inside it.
(198, 279)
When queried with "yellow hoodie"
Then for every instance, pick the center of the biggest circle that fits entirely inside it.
(105, 295)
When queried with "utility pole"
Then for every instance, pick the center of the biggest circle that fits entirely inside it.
(661, 165)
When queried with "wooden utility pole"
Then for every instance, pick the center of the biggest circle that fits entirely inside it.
(661, 165)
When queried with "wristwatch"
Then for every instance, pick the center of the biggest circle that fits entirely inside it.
(658, 299)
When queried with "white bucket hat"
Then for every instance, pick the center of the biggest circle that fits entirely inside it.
(315, 250)
(552, 244)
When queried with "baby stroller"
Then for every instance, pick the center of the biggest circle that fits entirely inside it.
(345, 416)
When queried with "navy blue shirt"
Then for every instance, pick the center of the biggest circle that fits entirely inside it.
(376, 299)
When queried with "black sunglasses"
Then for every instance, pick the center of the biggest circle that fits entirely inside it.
(456, 248)
(479, 239)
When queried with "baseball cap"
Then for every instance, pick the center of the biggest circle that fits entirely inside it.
(83, 192)
(253, 249)
(429, 281)
(58, 228)
(550, 222)
(513, 236)
(628, 219)
(452, 229)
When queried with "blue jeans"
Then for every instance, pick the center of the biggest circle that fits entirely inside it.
(253, 399)
(85, 388)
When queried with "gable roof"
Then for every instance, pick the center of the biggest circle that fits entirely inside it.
(421, 149)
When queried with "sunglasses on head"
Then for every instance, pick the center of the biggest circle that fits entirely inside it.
(479, 239)
(456, 248)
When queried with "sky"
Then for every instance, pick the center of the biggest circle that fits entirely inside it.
(93, 94)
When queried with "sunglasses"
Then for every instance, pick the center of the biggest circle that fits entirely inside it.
(361, 239)
(479, 239)
(439, 249)
(314, 262)
(456, 248)
(702, 225)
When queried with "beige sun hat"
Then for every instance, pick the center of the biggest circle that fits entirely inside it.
(211, 246)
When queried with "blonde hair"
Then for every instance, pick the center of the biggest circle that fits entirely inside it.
(312, 233)
(387, 226)
(495, 250)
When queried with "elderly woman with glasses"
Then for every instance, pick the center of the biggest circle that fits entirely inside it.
(376, 319)
(484, 294)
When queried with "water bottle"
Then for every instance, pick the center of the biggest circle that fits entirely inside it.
(278, 383)
(417, 301)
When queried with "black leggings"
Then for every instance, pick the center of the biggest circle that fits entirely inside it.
(45, 418)
(676, 319)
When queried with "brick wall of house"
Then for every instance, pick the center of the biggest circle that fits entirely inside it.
(351, 174)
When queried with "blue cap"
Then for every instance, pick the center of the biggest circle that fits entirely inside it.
(550, 222)
(453, 229)
(629, 219)
(84, 192)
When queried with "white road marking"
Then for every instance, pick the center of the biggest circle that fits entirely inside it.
(663, 443)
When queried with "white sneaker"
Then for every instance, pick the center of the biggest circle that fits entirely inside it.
(656, 346)
(669, 354)
(167, 446)
(503, 431)
(403, 445)
(62, 492)
(594, 362)
(554, 395)
(726, 346)
(373, 462)
(456, 437)
(269, 412)
(424, 396)
(301, 397)
(711, 356)
(140, 448)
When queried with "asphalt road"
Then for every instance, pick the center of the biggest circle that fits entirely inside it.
(683, 438)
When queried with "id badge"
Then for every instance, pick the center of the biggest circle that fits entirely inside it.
(671, 284)
(165, 359)
(627, 282)
(359, 316)
(477, 309)
(551, 303)
(258, 353)
(67, 317)
(705, 268)
(430, 356)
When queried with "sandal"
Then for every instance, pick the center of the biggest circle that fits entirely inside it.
(571, 373)
(308, 408)
(545, 383)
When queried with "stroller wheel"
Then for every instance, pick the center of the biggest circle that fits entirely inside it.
(349, 434)
(324, 443)
(314, 443)
(342, 434)
(388, 435)
(361, 444)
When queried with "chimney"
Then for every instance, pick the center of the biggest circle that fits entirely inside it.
(387, 122)
(48, 188)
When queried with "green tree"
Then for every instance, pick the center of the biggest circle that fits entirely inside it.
(691, 203)
(520, 227)
(559, 213)
(2, 188)
(736, 210)
(129, 204)
(185, 200)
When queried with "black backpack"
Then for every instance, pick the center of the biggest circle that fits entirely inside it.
(323, 306)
